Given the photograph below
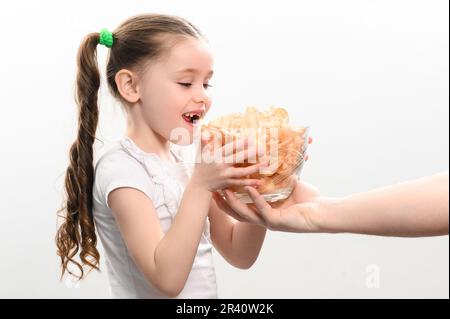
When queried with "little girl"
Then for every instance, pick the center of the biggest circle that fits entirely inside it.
(152, 211)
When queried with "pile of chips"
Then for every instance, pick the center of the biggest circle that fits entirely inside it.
(284, 146)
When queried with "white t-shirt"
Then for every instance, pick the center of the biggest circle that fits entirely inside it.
(126, 165)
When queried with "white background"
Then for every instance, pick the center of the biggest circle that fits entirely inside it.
(369, 77)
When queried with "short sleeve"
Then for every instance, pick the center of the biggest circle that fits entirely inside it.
(115, 172)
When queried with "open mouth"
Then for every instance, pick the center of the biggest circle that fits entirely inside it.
(192, 117)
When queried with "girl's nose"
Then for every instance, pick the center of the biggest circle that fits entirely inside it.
(201, 97)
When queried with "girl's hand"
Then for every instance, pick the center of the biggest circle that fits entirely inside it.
(217, 172)
(302, 216)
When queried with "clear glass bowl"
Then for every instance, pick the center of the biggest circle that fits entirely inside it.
(286, 149)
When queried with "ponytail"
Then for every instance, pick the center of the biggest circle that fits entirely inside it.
(77, 232)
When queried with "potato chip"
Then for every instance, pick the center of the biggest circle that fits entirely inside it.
(282, 144)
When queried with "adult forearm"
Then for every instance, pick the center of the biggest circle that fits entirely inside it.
(416, 208)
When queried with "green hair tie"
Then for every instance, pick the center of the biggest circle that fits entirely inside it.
(106, 38)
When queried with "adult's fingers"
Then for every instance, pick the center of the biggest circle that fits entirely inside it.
(260, 203)
(223, 205)
(240, 208)
(269, 216)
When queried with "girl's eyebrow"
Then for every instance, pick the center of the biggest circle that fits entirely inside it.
(195, 71)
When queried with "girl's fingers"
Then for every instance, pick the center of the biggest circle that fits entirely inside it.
(244, 182)
(240, 156)
(233, 147)
(310, 140)
(244, 171)
(207, 147)
(205, 137)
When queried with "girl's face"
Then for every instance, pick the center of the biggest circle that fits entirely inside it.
(176, 86)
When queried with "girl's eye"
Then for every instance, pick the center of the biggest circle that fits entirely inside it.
(189, 84)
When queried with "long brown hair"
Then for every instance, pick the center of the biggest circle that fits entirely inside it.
(138, 40)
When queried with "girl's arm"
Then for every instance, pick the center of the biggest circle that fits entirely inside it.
(165, 260)
(238, 242)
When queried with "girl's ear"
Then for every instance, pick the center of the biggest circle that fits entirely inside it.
(126, 82)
